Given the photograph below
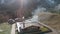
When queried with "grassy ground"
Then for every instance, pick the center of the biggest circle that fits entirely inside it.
(5, 27)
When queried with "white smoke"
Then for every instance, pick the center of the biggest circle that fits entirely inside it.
(38, 10)
(57, 7)
(35, 14)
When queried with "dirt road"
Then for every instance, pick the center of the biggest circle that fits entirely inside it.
(13, 29)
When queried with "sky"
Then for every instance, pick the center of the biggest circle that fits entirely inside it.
(28, 3)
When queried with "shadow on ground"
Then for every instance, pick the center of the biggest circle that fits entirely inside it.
(33, 30)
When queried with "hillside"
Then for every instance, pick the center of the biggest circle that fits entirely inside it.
(50, 19)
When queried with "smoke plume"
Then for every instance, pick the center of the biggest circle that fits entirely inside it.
(35, 14)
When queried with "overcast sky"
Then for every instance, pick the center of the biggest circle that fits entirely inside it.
(28, 3)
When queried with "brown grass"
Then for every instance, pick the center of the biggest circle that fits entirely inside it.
(52, 20)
